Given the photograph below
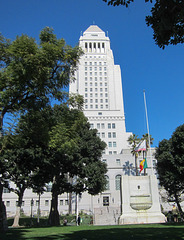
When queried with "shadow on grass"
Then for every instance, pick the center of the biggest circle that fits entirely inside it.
(137, 232)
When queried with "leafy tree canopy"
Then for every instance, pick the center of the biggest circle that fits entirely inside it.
(170, 159)
(166, 20)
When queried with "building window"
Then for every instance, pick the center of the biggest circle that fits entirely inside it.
(66, 202)
(91, 106)
(37, 202)
(105, 201)
(96, 100)
(96, 84)
(91, 94)
(86, 73)
(96, 89)
(102, 125)
(110, 144)
(109, 125)
(86, 89)
(90, 63)
(105, 89)
(114, 144)
(90, 68)
(98, 134)
(90, 73)
(107, 187)
(118, 182)
(100, 63)
(91, 125)
(104, 160)
(91, 84)
(86, 106)
(8, 203)
(91, 100)
(98, 125)
(101, 106)
(113, 125)
(110, 152)
(46, 202)
(114, 152)
(101, 100)
(109, 135)
(91, 89)
(118, 161)
(96, 106)
(114, 135)
(85, 63)
(103, 135)
(100, 68)
(106, 95)
(61, 202)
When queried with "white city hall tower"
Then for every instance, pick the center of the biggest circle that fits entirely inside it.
(98, 79)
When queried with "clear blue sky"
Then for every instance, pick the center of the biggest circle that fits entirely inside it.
(143, 64)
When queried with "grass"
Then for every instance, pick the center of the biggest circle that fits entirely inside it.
(126, 232)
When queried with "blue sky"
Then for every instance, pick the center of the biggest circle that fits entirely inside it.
(144, 66)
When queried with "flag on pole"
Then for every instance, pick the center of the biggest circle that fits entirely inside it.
(141, 146)
(143, 164)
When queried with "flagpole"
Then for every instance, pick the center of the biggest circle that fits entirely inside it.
(148, 131)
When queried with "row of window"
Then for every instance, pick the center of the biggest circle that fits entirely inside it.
(95, 89)
(96, 107)
(103, 125)
(95, 68)
(95, 73)
(96, 78)
(96, 95)
(110, 135)
(117, 182)
(96, 84)
(112, 144)
(96, 100)
(95, 45)
(32, 203)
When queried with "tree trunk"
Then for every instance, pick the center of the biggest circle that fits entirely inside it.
(17, 215)
(54, 214)
(136, 170)
(178, 205)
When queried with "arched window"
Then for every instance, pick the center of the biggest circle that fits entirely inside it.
(118, 182)
(107, 183)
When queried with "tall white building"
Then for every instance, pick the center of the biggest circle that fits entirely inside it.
(98, 79)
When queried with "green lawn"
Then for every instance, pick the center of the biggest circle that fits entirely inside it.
(146, 232)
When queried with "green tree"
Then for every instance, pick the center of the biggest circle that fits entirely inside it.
(166, 20)
(31, 75)
(76, 156)
(170, 157)
(26, 154)
(133, 140)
